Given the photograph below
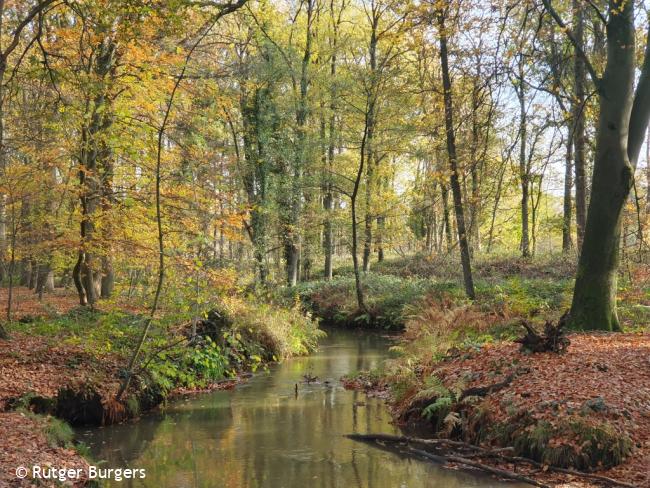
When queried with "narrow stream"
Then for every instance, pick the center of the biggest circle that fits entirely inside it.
(262, 435)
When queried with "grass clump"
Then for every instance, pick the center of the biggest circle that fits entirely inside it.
(58, 432)
(572, 442)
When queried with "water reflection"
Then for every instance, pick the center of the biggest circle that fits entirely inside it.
(262, 435)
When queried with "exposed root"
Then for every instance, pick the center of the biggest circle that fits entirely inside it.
(552, 340)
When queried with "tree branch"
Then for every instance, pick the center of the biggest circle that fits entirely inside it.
(15, 36)
(579, 50)
(640, 108)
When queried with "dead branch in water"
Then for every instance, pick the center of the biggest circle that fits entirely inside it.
(502, 473)
(481, 451)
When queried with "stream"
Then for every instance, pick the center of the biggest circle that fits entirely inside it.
(261, 435)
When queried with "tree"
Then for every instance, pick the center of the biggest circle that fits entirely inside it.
(441, 15)
(622, 124)
(578, 112)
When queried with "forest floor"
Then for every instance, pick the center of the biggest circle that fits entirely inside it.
(587, 408)
(39, 365)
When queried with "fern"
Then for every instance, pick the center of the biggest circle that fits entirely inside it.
(451, 420)
(433, 388)
(442, 403)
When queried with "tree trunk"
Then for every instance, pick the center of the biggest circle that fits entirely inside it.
(87, 272)
(524, 172)
(381, 227)
(328, 200)
(353, 210)
(328, 197)
(291, 230)
(453, 162)
(622, 124)
(255, 177)
(567, 242)
(647, 175)
(446, 217)
(371, 156)
(108, 277)
(579, 124)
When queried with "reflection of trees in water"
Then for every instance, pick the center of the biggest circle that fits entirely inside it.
(119, 445)
(261, 435)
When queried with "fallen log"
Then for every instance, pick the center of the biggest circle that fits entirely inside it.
(412, 440)
(480, 451)
(502, 473)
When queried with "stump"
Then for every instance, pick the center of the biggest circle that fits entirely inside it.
(552, 340)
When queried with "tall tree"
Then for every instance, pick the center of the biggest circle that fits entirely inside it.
(622, 124)
(25, 15)
(441, 15)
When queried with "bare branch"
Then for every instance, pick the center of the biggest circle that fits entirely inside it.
(579, 51)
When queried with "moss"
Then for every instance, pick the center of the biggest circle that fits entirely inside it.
(58, 433)
(570, 443)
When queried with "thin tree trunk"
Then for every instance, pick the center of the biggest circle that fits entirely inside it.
(524, 173)
(453, 162)
(567, 241)
(371, 157)
(446, 217)
(353, 209)
(579, 124)
(328, 200)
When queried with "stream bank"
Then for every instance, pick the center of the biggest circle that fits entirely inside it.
(70, 365)
(263, 434)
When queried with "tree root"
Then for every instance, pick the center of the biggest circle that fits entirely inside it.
(477, 451)
(482, 391)
(552, 340)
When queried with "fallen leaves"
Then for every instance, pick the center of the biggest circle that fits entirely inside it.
(609, 374)
(24, 444)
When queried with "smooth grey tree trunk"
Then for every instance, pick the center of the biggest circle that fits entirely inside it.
(622, 124)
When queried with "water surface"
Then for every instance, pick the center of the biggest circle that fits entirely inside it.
(262, 435)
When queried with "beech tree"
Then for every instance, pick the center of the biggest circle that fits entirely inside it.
(621, 129)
